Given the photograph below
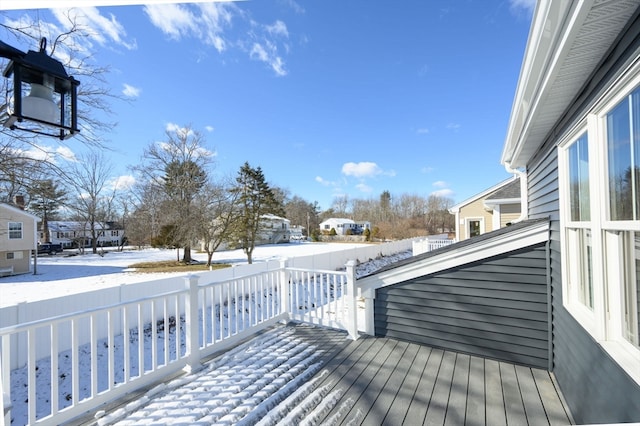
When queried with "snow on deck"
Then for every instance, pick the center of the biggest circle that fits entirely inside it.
(260, 382)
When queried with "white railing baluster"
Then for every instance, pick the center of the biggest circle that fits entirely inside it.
(166, 327)
(154, 337)
(31, 373)
(126, 364)
(55, 404)
(140, 325)
(94, 354)
(111, 350)
(75, 364)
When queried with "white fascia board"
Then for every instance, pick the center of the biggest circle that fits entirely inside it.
(511, 241)
(500, 201)
(52, 4)
(545, 52)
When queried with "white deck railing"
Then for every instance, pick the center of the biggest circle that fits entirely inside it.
(430, 244)
(77, 362)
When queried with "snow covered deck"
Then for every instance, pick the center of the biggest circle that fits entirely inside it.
(302, 374)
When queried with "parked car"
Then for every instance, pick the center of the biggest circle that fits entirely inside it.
(49, 248)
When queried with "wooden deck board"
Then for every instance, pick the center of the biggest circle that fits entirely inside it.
(386, 385)
(389, 382)
(400, 406)
(475, 414)
(457, 406)
(422, 396)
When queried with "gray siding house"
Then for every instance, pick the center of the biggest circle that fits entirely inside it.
(561, 288)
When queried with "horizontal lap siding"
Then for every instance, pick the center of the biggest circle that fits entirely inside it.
(496, 308)
(596, 389)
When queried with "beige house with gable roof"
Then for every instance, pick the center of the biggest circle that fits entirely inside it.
(491, 209)
(18, 239)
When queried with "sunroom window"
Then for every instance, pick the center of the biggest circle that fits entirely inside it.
(578, 232)
(623, 151)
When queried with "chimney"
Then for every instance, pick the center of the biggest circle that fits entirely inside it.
(18, 200)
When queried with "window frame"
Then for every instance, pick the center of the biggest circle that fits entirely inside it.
(605, 323)
(10, 230)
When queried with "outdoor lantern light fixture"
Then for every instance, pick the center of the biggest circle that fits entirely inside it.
(50, 107)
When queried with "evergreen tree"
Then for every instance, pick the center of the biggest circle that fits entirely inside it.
(46, 198)
(255, 199)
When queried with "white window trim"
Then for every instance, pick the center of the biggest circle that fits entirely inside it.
(604, 323)
(466, 225)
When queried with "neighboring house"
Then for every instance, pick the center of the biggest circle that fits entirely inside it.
(344, 226)
(273, 230)
(492, 209)
(75, 234)
(18, 239)
(561, 288)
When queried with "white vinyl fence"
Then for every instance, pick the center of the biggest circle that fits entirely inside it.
(122, 339)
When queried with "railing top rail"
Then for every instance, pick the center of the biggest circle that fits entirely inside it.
(17, 328)
(316, 271)
(238, 277)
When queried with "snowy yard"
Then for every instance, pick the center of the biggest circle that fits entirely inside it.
(59, 275)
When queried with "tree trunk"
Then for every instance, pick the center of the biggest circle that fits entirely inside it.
(186, 258)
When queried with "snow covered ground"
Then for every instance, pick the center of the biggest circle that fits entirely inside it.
(281, 390)
(61, 275)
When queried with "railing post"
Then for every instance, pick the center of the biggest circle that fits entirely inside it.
(285, 289)
(5, 382)
(352, 306)
(192, 326)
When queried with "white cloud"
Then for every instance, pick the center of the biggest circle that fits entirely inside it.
(440, 184)
(277, 28)
(427, 169)
(526, 5)
(267, 52)
(131, 91)
(66, 153)
(123, 183)
(443, 193)
(453, 126)
(106, 31)
(207, 22)
(295, 6)
(204, 21)
(363, 169)
(422, 131)
(174, 128)
(209, 128)
(364, 188)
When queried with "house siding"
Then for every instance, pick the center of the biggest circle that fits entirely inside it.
(509, 213)
(495, 308)
(596, 389)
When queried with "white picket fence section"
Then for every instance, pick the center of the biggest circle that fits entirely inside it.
(171, 326)
(427, 244)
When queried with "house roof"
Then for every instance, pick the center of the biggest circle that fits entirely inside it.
(567, 42)
(509, 191)
(18, 210)
(510, 186)
(503, 240)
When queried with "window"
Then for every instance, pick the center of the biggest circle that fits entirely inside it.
(577, 231)
(475, 227)
(599, 175)
(15, 230)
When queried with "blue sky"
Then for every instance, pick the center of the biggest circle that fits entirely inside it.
(329, 98)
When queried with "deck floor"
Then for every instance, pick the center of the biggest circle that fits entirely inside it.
(369, 381)
(388, 382)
